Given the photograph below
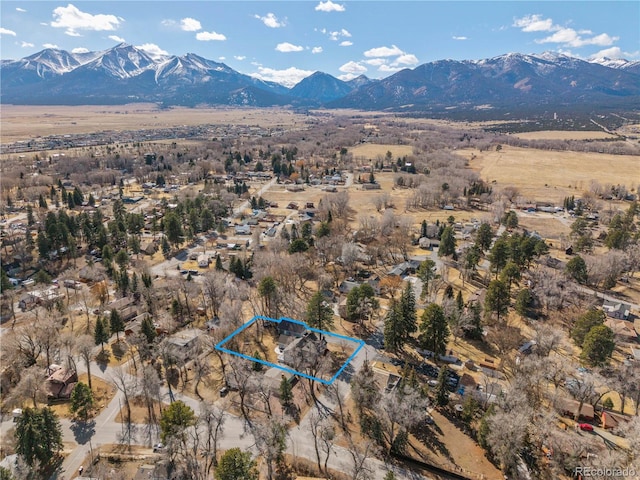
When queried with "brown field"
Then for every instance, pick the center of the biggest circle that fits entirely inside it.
(552, 175)
(371, 151)
(548, 227)
(25, 122)
(563, 135)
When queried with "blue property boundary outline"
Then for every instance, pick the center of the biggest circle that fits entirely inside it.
(220, 347)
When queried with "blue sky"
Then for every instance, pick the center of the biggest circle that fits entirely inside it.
(285, 41)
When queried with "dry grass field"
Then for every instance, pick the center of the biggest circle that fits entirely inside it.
(371, 151)
(563, 135)
(551, 175)
(26, 122)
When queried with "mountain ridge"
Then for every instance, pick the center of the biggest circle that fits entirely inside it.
(125, 73)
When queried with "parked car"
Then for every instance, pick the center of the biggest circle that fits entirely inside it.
(158, 447)
(224, 391)
(586, 427)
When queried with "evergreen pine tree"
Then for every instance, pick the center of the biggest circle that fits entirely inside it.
(101, 332)
(116, 324)
(408, 312)
(148, 329)
(393, 337)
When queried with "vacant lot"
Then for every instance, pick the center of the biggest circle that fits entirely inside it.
(550, 175)
(21, 122)
(371, 151)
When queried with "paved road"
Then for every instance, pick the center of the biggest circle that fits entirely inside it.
(244, 205)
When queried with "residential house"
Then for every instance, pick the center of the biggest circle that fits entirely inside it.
(124, 306)
(27, 302)
(347, 285)
(617, 309)
(304, 351)
(92, 274)
(60, 384)
(185, 341)
(405, 268)
(38, 297)
(243, 229)
(623, 330)
(291, 328)
(203, 261)
(149, 248)
(427, 243)
(569, 407)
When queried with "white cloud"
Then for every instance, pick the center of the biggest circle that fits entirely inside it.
(22, 10)
(571, 38)
(50, 45)
(207, 36)
(168, 22)
(455, 37)
(615, 52)
(270, 20)
(389, 69)
(239, 57)
(406, 59)
(383, 52)
(222, 59)
(376, 62)
(5, 31)
(80, 50)
(71, 18)
(287, 47)
(335, 36)
(116, 38)
(316, 50)
(329, 6)
(346, 43)
(27, 45)
(352, 67)
(568, 37)
(190, 24)
(347, 76)
(534, 23)
(152, 49)
(287, 77)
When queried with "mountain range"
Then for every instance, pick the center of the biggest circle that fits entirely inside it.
(126, 74)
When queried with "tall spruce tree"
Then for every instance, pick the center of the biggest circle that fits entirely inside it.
(101, 332)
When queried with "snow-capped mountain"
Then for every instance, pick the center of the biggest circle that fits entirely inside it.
(621, 63)
(512, 79)
(125, 74)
